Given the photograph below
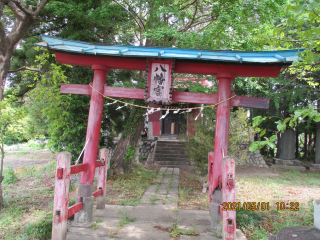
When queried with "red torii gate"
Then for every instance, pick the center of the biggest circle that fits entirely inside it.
(241, 64)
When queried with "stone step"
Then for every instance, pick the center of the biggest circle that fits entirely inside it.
(170, 159)
(177, 166)
(172, 163)
(170, 144)
(163, 155)
(171, 156)
(172, 151)
(170, 148)
(169, 153)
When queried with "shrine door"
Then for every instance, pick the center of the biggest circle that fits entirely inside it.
(173, 124)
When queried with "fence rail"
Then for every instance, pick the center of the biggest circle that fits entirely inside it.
(61, 211)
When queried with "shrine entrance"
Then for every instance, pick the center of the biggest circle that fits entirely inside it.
(173, 124)
(159, 65)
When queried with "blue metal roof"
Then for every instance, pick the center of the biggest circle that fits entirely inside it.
(280, 57)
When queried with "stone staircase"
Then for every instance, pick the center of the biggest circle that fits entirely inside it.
(170, 154)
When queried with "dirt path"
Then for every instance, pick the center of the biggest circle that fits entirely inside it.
(24, 158)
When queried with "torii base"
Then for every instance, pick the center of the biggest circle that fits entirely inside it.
(84, 196)
(214, 210)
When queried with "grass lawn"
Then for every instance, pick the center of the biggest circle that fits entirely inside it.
(284, 186)
(128, 189)
(28, 202)
(28, 195)
(28, 198)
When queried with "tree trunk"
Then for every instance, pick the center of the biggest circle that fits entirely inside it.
(4, 68)
(305, 145)
(314, 140)
(309, 143)
(1, 197)
(1, 169)
(278, 145)
(297, 145)
(121, 148)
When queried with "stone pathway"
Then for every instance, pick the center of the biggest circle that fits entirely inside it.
(151, 219)
(166, 190)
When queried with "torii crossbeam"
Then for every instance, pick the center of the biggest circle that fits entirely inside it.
(225, 65)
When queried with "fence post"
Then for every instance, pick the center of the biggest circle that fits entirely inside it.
(228, 196)
(61, 197)
(102, 178)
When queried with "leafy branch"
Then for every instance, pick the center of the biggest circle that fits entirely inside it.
(291, 121)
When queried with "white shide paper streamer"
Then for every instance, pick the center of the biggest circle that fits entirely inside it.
(163, 116)
(111, 103)
(121, 106)
(199, 114)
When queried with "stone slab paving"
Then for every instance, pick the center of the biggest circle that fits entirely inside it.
(149, 220)
(167, 189)
(157, 211)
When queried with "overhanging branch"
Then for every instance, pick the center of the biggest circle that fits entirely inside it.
(40, 7)
(25, 68)
(13, 7)
(18, 4)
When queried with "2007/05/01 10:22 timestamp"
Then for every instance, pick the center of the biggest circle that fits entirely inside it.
(228, 206)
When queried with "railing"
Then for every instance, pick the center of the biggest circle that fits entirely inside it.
(61, 211)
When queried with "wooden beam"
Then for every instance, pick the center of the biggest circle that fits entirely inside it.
(186, 97)
(237, 70)
(121, 92)
(74, 209)
(80, 89)
(99, 163)
(250, 102)
(181, 66)
(97, 193)
(79, 168)
(190, 97)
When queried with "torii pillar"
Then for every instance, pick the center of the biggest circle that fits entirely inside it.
(91, 151)
(220, 148)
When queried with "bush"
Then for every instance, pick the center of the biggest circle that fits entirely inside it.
(199, 144)
(142, 158)
(9, 176)
(41, 229)
(247, 218)
(36, 144)
(128, 157)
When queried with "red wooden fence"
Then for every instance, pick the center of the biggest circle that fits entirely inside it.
(61, 211)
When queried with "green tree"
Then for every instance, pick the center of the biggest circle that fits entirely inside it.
(194, 24)
(16, 18)
(41, 77)
(199, 144)
(286, 94)
(298, 89)
(8, 115)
